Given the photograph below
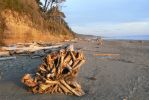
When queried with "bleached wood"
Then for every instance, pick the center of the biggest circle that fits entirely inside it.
(69, 88)
(30, 48)
(7, 58)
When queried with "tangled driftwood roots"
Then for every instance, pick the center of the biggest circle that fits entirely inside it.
(57, 73)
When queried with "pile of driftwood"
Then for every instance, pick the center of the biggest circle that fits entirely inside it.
(34, 50)
(57, 73)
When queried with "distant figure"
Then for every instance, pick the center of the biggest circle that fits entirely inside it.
(100, 41)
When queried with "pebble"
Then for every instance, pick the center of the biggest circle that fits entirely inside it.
(92, 78)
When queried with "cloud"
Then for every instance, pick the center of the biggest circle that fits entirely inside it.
(106, 29)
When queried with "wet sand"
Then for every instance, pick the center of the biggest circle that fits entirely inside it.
(102, 78)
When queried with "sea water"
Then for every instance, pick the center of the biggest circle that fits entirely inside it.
(131, 37)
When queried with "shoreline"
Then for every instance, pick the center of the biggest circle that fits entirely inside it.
(135, 37)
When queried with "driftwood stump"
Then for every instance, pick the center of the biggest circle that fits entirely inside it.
(57, 73)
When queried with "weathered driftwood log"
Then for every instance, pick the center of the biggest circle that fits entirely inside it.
(29, 49)
(7, 58)
(57, 73)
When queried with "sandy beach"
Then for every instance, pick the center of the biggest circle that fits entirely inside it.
(122, 77)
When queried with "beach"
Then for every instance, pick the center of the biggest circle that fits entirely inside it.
(124, 76)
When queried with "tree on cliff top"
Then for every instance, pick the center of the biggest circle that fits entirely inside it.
(48, 4)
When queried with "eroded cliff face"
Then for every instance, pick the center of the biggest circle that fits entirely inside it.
(18, 26)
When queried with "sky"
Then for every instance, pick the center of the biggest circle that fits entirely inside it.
(108, 17)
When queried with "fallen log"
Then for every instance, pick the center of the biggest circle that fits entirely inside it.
(7, 58)
(31, 48)
(57, 73)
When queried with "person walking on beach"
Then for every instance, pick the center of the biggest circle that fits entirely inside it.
(100, 40)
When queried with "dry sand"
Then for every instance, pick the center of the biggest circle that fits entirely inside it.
(102, 78)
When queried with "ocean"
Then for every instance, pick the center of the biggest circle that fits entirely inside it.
(133, 37)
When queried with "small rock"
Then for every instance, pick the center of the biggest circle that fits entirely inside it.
(125, 98)
(92, 78)
(1, 73)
